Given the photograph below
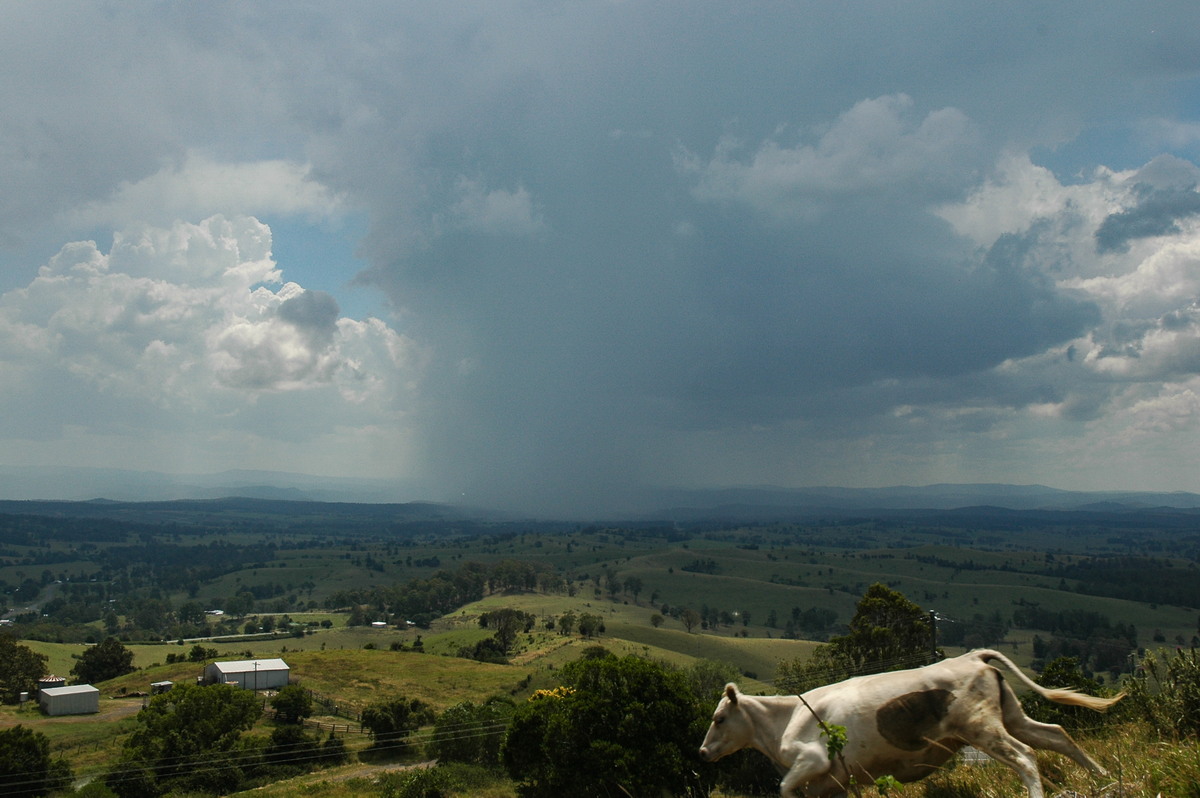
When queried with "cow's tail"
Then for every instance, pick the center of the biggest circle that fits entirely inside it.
(1059, 695)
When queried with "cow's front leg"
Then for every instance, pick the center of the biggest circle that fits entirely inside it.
(811, 774)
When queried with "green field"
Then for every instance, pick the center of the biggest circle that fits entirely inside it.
(749, 582)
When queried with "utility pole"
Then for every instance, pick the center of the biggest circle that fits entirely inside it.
(933, 650)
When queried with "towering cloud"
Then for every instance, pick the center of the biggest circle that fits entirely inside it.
(612, 244)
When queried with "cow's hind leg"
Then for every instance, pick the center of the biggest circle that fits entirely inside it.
(1046, 736)
(1003, 747)
(1050, 737)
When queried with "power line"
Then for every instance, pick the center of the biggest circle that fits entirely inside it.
(455, 732)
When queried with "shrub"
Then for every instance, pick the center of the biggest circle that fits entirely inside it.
(292, 704)
(1065, 672)
(1165, 691)
(470, 732)
(624, 726)
(26, 767)
(392, 720)
(333, 751)
(417, 783)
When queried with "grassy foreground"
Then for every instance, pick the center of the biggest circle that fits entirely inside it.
(1139, 765)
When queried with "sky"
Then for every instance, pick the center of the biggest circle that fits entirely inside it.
(540, 255)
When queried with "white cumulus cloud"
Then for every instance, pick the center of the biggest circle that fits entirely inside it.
(879, 145)
(196, 316)
(198, 186)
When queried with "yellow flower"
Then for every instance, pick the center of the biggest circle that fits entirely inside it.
(557, 692)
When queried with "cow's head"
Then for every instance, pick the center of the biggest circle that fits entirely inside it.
(731, 729)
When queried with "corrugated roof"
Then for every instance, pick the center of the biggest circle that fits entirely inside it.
(247, 665)
(71, 690)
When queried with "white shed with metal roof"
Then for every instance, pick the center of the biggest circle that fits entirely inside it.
(249, 674)
(77, 699)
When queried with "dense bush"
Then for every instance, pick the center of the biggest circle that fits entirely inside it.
(392, 720)
(20, 669)
(104, 661)
(292, 704)
(624, 726)
(26, 768)
(1064, 672)
(188, 739)
(888, 632)
(1165, 691)
(473, 733)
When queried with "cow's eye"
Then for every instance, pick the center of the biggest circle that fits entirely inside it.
(718, 721)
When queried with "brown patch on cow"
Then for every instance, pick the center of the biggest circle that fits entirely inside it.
(907, 722)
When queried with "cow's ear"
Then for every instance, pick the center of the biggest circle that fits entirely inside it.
(731, 692)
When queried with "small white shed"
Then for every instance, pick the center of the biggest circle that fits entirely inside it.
(77, 699)
(249, 674)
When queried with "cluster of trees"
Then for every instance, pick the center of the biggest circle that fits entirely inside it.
(192, 739)
(1076, 623)
(103, 661)
(613, 726)
(1088, 636)
(976, 632)
(810, 623)
(20, 669)
(616, 726)
(1146, 579)
(27, 769)
(887, 632)
(422, 600)
(587, 624)
(392, 720)
(510, 623)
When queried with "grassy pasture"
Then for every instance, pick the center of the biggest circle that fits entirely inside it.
(956, 571)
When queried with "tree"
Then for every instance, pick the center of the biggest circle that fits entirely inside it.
(199, 653)
(508, 623)
(187, 740)
(190, 613)
(103, 661)
(488, 722)
(888, 632)
(391, 721)
(623, 726)
(291, 749)
(20, 669)
(292, 704)
(690, 619)
(1063, 672)
(26, 769)
(241, 604)
(886, 627)
(590, 625)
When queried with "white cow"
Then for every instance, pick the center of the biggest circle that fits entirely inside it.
(904, 724)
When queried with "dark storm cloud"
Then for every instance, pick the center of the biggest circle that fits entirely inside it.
(1158, 213)
(610, 228)
(728, 234)
(314, 313)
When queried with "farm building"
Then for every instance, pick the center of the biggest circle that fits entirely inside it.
(51, 681)
(249, 674)
(78, 699)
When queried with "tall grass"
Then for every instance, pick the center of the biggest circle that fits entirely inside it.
(1138, 760)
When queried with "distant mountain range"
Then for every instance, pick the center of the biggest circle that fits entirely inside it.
(85, 484)
(770, 501)
(747, 503)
